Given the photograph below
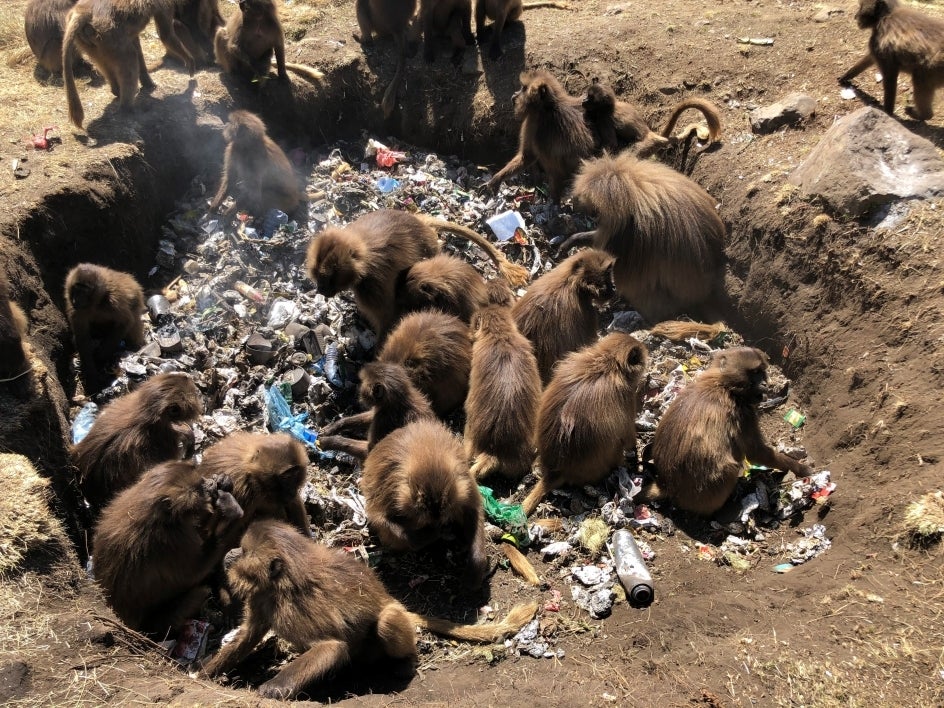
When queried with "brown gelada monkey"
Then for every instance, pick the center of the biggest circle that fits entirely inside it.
(452, 18)
(661, 226)
(268, 473)
(108, 33)
(558, 313)
(251, 37)
(436, 350)
(587, 416)
(501, 12)
(368, 255)
(388, 18)
(618, 124)
(104, 309)
(504, 391)
(903, 39)
(553, 132)
(196, 23)
(710, 429)
(443, 283)
(255, 170)
(418, 489)
(393, 400)
(330, 607)
(15, 368)
(45, 24)
(135, 432)
(159, 541)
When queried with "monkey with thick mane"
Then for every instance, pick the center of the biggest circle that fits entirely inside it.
(903, 40)
(330, 607)
(553, 133)
(710, 429)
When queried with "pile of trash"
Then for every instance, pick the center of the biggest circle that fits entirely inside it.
(239, 314)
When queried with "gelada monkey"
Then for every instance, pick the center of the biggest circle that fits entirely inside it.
(302, 591)
(709, 430)
(104, 309)
(553, 132)
(196, 23)
(393, 400)
(587, 416)
(443, 283)
(159, 541)
(436, 350)
(662, 228)
(504, 391)
(45, 24)
(616, 124)
(15, 368)
(558, 313)
(108, 33)
(368, 255)
(903, 39)
(417, 490)
(268, 473)
(255, 170)
(135, 432)
(246, 45)
(452, 18)
(500, 12)
(388, 18)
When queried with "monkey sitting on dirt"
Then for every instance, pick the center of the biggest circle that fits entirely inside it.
(328, 605)
(710, 429)
(15, 368)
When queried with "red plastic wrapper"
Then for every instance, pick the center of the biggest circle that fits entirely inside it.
(388, 158)
(191, 642)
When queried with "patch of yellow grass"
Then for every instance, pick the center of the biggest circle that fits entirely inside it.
(26, 522)
(924, 519)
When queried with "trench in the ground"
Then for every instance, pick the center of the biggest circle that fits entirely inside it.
(115, 218)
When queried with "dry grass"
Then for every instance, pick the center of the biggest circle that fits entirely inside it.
(26, 523)
(924, 519)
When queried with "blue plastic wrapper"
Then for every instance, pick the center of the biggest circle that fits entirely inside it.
(83, 422)
(272, 221)
(282, 420)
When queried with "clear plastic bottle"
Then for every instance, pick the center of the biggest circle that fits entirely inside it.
(631, 569)
(83, 422)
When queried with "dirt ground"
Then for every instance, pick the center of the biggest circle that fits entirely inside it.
(851, 313)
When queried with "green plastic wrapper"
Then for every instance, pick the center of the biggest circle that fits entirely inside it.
(510, 517)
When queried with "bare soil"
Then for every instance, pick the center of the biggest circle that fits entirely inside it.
(851, 313)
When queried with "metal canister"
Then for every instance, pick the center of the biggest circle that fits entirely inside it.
(631, 569)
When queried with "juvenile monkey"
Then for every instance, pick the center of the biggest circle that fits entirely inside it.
(255, 169)
(246, 44)
(710, 429)
(45, 23)
(617, 124)
(394, 401)
(553, 132)
(302, 591)
(417, 489)
(135, 432)
(388, 18)
(159, 541)
(15, 368)
(662, 228)
(368, 255)
(268, 473)
(558, 313)
(104, 309)
(587, 416)
(443, 283)
(446, 17)
(500, 12)
(196, 23)
(436, 350)
(108, 33)
(903, 39)
(504, 391)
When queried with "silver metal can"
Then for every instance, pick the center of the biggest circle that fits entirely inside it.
(631, 569)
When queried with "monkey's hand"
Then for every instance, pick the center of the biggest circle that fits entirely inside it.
(219, 488)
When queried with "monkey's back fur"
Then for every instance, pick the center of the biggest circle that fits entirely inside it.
(444, 283)
(663, 229)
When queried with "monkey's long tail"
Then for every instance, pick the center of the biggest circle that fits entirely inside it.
(542, 3)
(76, 113)
(306, 72)
(515, 274)
(390, 95)
(707, 108)
(519, 616)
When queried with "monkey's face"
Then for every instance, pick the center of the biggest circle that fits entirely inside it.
(597, 277)
(83, 294)
(184, 401)
(745, 373)
(869, 13)
(333, 265)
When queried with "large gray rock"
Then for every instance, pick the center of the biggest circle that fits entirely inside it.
(791, 110)
(867, 160)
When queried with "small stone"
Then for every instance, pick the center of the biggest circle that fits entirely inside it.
(791, 110)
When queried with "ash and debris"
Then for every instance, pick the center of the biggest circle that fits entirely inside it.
(239, 314)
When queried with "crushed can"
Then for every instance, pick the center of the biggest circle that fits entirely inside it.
(631, 569)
